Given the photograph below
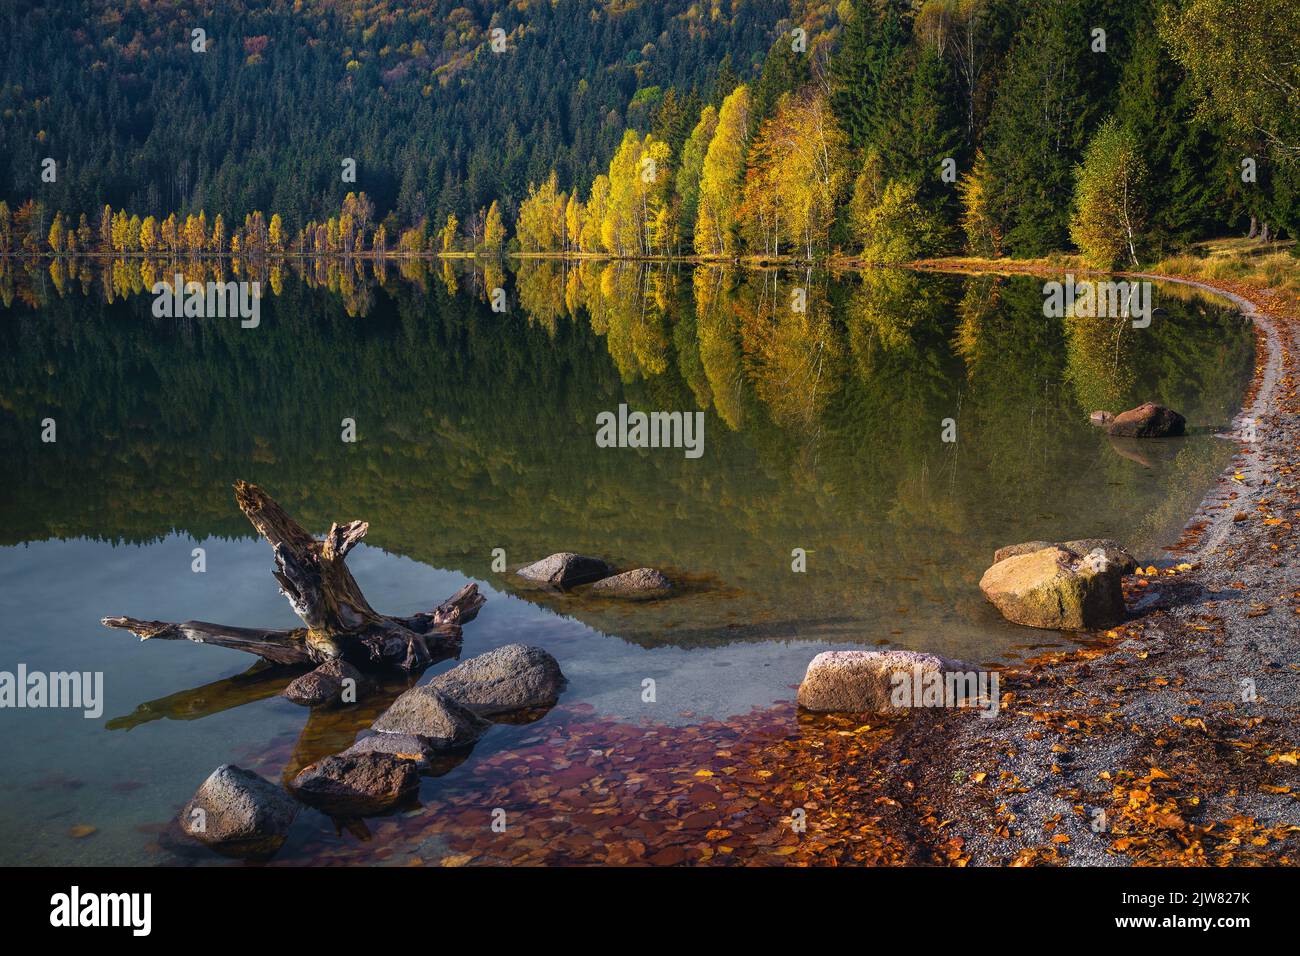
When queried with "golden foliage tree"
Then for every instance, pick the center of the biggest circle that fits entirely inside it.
(720, 178)
(541, 218)
(983, 235)
(1107, 197)
(795, 177)
(494, 230)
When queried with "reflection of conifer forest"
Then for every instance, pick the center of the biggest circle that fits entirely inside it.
(476, 427)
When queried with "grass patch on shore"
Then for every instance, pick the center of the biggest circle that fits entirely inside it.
(1239, 262)
(1247, 261)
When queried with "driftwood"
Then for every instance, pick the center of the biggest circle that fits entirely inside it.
(322, 592)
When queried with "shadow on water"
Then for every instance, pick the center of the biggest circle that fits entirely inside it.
(259, 682)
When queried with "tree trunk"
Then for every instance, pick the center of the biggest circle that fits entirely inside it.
(340, 623)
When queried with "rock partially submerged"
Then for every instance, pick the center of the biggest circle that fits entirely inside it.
(566, 570)
(1114, 551)
(357, 784)
(1057, 588)
(1148, 420)
(864, 681)
(430, 714)
(1101, 418)
(514, 677)
(239, 813)
(325, 686)
(406, 746)
(638, 583)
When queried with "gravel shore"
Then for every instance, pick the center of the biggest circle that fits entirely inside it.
(1171, 739)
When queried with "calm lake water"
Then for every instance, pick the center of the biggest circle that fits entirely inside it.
(823, 431)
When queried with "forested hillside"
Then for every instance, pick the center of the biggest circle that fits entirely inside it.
(436, 121)
(888, 128)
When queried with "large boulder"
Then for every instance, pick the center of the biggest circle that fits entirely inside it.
(324, 686)
(514, 677)
(1148, 420)
(566, 570)
(357, 784)
(430, 714)
(864, 681)
(638, 583)
(239, 813)
(1113, 550)
(1057, 588)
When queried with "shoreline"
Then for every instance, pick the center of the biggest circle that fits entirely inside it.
(1142, 746)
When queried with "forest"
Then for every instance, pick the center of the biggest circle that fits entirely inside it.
(885, 130)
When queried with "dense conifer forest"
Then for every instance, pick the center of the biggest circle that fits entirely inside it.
(886, 129)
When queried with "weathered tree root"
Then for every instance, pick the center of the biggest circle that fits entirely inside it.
(321, 590)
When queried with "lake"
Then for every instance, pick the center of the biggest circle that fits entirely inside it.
(827, 401)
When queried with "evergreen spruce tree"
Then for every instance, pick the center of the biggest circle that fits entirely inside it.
(1185, 156)
(1049, 98)
(873, 40)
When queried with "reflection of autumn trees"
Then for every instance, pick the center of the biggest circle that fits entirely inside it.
(822, 426)
(636, 318)
(686, 335)
(792, 348)
(768, 344)
(795, 360)
(414, 271)
(1099, 360)
(628, 302)
(1013, 358)
(887, 305)
(720, 353)
(978, 302)
(540, 287)
(449, 280)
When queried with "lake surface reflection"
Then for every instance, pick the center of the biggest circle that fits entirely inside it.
(824, 431)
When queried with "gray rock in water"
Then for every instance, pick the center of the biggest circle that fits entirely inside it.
(324, 686)
(239, 813)
(1148, 420)
(1114, 551)
(1101, 418)
(406, 746)
(514, 677)
(566, 570)
(863, 681)
(641, 582)
(432, 715)
(357, 784)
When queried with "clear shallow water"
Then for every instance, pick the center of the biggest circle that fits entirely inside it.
(477, 432)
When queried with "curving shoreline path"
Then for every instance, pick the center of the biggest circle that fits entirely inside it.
(1173, 738)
